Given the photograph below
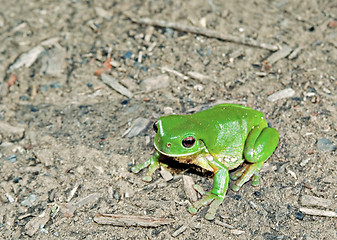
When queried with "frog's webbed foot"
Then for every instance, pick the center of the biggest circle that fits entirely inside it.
(249, 171)
(213, 198)
(152, 163)
(209, 199)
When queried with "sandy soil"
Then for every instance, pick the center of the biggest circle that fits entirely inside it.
(64, 154)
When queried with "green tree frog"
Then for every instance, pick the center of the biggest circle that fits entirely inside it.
(218, 139)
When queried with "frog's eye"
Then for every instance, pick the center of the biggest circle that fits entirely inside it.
(188, 142)
(155, 128)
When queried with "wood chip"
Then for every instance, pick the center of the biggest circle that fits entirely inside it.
(138, 125)
(237, 231)
(261, 74)
(282, 53)
(114, 84)
(198, 76)
(293, 174)
(72, 192)
(68, 209)
(34, 224)
(165, 174)
(27, 59)
(88, 199)
(131, 220)
(189, 190)
(179, 231)
(50, 42)
(318, 212)
(310, 201)
(295, 53)
(53, 61)
(285, 93)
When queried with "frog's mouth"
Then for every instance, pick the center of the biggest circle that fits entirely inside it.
(179, 155)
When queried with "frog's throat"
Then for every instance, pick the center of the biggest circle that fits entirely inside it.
(179, 155)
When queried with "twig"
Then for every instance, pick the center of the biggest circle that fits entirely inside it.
(318, 212)
(179, 231)
(169, 70)
(202, 31)
(130, 220)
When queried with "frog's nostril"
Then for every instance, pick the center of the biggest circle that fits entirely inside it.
(168, 145)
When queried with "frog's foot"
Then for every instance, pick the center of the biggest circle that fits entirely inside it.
(152, 163)
(245, 174)
(209, 199)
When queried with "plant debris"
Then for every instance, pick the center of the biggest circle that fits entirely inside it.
(131, 220)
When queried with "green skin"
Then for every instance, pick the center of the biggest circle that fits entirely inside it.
(218, 139)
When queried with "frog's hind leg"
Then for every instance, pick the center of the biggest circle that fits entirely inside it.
(260, 145)
(215, 197)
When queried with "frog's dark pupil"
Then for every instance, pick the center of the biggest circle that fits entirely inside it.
(188, 142)
(155, 128)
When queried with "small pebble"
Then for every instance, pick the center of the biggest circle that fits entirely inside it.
(127, 55)
(299, 215)
(168, 111)
(285, 93)
(44, 88)
(117, 196)
(325, 145)
(55, 85)
(17, 179)
(237, 197)
(10, 198)
(24, 98)
(124, 102)
(33, 109)
(11, 158)
(28, 202)
(257, 194)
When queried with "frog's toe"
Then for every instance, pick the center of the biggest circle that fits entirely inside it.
(209, 199)
(210, 215)
(147, 178)
(234, 176)
(251, 172)
(255, 180)
(192, 210)
(135, 169)
(204, 201)
(235, 188)
(238, 174)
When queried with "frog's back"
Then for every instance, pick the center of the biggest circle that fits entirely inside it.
(228, 112)
(226, 127)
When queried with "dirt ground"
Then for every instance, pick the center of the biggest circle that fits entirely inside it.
(65, 151)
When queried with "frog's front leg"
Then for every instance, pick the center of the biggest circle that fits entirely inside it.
(216, 196)
(152, 163)
(260, 145)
